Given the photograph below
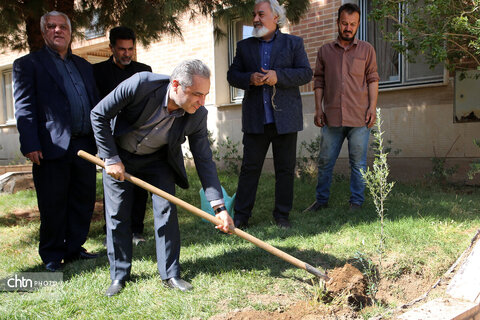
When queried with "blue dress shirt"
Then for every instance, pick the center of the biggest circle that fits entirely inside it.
(76, 93)
(265, 53)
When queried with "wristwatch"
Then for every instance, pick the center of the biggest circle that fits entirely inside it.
(220, 209)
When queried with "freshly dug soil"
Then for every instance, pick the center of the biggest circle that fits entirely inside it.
(348, 281)
(347, 286)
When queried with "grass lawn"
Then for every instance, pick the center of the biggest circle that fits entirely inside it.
(427, 228)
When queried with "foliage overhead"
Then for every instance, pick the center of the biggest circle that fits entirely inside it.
(440, 30)
(151, 19)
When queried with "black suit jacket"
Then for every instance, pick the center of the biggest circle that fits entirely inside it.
(108, 75)
(290, 62)
(132, 103)
(42, 108)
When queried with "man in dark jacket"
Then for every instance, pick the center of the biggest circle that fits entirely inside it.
(270, 67)
(54, 93)
(108, 75)
(153, 117)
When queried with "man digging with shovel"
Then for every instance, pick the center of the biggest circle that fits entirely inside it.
(151, 115)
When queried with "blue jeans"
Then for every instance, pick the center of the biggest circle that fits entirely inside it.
(330, 146)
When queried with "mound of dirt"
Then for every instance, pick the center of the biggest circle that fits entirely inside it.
(348, 281)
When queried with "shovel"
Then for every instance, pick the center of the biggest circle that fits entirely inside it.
(242, 234)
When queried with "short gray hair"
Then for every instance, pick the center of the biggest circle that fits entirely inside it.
(43, 20)
(277, 10)
(186, 69)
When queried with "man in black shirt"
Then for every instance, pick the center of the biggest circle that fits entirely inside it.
(108, 75)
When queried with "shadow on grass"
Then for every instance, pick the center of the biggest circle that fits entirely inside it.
(256, 259)
(405, 201)
(196, 231)
(422, 202)
(251, 259)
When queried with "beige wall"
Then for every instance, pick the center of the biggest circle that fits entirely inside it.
(197, 43)
(7, 57)
(418, 121)
(9, 138)
(9, 146)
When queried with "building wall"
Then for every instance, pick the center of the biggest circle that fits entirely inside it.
(9, 137)
(9, 146)
(418, 121)
(316, 28)
(197, 42)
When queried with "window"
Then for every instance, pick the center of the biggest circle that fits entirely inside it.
(238, 30)
(93, 32)
(6, 93)
(393, 67)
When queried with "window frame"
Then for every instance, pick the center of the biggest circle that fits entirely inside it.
(7, 116)
(403, 64)
(236, 94)
(92, 32)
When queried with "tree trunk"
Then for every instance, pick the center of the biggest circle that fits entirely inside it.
(34, 35)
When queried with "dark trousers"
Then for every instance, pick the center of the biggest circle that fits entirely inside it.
(139, 206)
(66, 197)
(140, 197)
(119, 198)
(255, 147)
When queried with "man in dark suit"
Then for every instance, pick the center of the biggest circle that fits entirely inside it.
(152, 117)
(270, 67)
(119, 66)
(54, 92)
(108, 75)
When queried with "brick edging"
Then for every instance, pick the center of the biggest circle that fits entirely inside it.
(16, 168)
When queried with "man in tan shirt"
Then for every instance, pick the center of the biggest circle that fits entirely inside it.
(346, 80)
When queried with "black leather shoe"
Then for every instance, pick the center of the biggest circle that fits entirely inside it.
(314, 207)
(81, 255)
(283, 223)
(115, 288)
(53, 266)
(177, 283)
(84, 255)
(240, 223)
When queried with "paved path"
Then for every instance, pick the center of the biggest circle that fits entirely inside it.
(463, 294)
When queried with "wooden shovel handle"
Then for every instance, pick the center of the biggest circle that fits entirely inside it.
(187, 206)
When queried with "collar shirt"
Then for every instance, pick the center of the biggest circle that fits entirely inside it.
(344, 75)
(153, 135)
(265, 53)
(76, 93)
